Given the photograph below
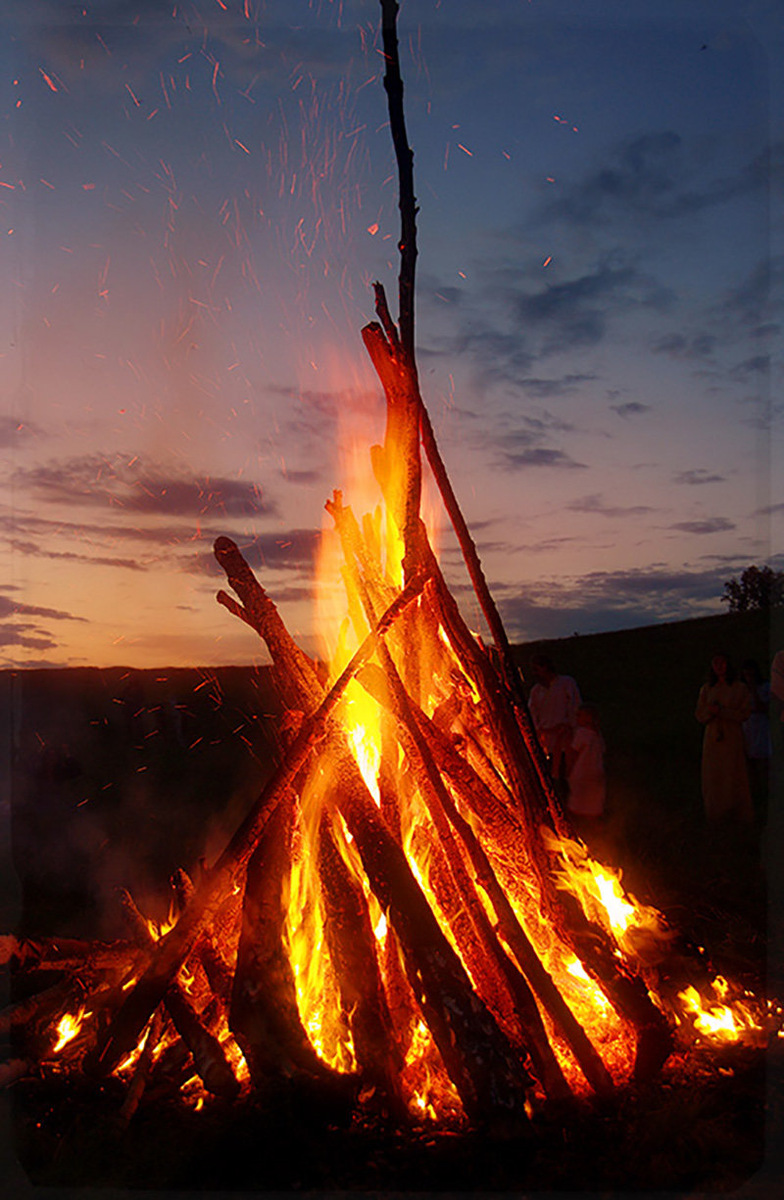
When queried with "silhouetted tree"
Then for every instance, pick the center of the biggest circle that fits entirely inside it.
(757, 588)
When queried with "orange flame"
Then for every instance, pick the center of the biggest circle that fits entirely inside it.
(717, 1020)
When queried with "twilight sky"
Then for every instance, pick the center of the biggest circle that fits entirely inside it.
(195, 199)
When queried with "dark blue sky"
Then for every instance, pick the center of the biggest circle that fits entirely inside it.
(195, 200)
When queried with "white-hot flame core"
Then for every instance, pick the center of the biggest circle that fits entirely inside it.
(68, 1027)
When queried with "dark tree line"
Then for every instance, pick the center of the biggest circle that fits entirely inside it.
(757, 588)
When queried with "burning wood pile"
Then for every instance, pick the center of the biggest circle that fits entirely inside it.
(403, 918)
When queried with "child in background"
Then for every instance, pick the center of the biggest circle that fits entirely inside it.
(587, 780)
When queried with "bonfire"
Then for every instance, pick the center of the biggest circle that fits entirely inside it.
(404, 918)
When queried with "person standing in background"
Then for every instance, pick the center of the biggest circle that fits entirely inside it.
(585, 768)
(553, 706)
(723, 705)
(756, 736)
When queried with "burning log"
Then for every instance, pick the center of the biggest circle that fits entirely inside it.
(481, 1063)
(479, 1059)
(141, 1073)
(264, 1016)
(626, 991)
(208, 1054)
(205, 952)
(352, 946)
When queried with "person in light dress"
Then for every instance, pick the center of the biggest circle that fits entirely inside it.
(724, 703)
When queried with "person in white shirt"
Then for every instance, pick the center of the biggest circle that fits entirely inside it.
(553, 705)
(585, 764)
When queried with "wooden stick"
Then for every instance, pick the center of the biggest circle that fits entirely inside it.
(480, 1061)
(625, 990)
(64, 954)
(407, 246)
(258, 611)
(397, 465)
(142, 1071)
(218, 974)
